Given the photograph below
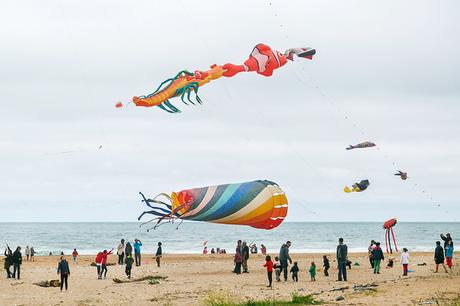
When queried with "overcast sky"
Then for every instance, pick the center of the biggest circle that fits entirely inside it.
(387, 72)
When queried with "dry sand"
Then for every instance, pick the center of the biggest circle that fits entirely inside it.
(193, 278)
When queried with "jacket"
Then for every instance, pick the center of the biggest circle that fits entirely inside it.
(377, 253)
(104, 257)
(446, 240)
(342, 253)
(129, 262)
(246, 252)
(63, 267)
(98, 259)
(439, 253)
(137, 247)
(17, 257)
(120, 249)
(449, 251)
(159, 251)
(269, 265)
(284, 253)
(128, 249)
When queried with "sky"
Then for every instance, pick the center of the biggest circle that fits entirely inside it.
(387, 72)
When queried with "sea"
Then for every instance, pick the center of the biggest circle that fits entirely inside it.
(190, 237)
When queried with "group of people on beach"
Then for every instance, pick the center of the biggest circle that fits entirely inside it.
(242, 252)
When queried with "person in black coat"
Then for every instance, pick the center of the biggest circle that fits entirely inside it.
(63, 269)
(245, 257)
(8, 261)
(326, 265)
(439, 256)
(158, 254)
(17, 262)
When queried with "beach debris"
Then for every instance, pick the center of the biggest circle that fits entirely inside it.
(357, 187)
(153, 279)
(340, 289)
(428, 302)
(339, 298)
(260, 204)
(365, 287)
(356, 264)
(93, 264)
(421, 264)
(16, 283)
(402, 175)
(262, 60)
(362, 145)
(50, 283)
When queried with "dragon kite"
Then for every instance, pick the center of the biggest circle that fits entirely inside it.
(262, 60)
(260, 204)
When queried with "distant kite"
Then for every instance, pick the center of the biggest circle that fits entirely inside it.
(362, 145)
(260, 204)
(262, 60)
(357, 187)
(388, 227)
(402, 175)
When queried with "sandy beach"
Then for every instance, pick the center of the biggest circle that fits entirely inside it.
(193, 279)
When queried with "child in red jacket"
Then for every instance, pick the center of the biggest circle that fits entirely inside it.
(98, 261)
(104, 263)
(269, 265)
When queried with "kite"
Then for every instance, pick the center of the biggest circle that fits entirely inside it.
(260, 204)
(357, 187)
(262, 60)
(402, 175)
(362, 145)
(388, 227)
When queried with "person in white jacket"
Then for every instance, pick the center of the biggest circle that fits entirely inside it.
(405, 260)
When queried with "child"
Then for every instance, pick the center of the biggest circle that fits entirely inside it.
(129, 265)
(277, 266)
(269, 265)
(295, 271)
(449, 248)
(74, 255)
(312, 271)
(405, 260)
(326, 265)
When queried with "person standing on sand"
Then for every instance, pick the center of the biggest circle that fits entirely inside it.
(245, 257)
(263, 249)
(239, 250)
(326, 265)
(104, 263)
(137, 251)
(284, 257)
(342, 258)
(312, 271)
(405, 261)
(370, 248)
(32, 254)
(277, 267)
(449, 253)
(121, 251)
(295, 272)
(98, 261)
(63, 269)
(27, 252)
(269, 265)
(74, 256)
(17, 262)
(446, 240)
(8, 261)
(377, 254)
(238, 259)
(158, 254)
(129, 265)
(128, 249)
(439, 257)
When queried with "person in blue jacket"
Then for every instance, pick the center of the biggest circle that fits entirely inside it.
(137, 251)
(63, 269)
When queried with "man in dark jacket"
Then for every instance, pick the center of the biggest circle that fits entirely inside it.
(284, 257)
(245, 257)
(342, 258)
(439, 256)
(63, 269)
(377, 255)
(17, 262)
(8, 261)
(446, 239)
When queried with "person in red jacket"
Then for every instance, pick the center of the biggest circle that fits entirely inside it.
(269, 265)
(104, 263)
(98, 261)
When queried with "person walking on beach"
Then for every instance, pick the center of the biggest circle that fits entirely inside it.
(8, 261)
(98, 261)
(17, 262)
(295, 272)
(32, 254)
(405, 261)
(342, 258)
(128, 249)
(245, 257)
(158, 254)
(129, 265)
(326, 265)
(27, 252)
(277, 267)
(284, 257)
(269, 265)
(377, 254)
(104, 263)
(63, 269)
(439, 257)
(312, 271)
(449, 249)
(121, 251)
(137, 251)
(74, 256)
(263, 249)
(370, 248)
(238, 259)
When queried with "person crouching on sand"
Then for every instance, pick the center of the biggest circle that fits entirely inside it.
(326, 265)
(269, 265)
(405, 261)
(312, 271)
(129, 265)
(295, 272)
(63, 269)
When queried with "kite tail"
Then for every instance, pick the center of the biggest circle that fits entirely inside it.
(394, 240)
(386, 240)
(162, 210)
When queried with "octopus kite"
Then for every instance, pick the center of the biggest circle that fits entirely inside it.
(260, 204)
(357, 187)
(388, 227)
(262, 60)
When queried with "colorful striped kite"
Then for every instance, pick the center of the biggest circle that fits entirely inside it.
(260, 204)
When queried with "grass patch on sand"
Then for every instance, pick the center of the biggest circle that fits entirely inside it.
(225, 299)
